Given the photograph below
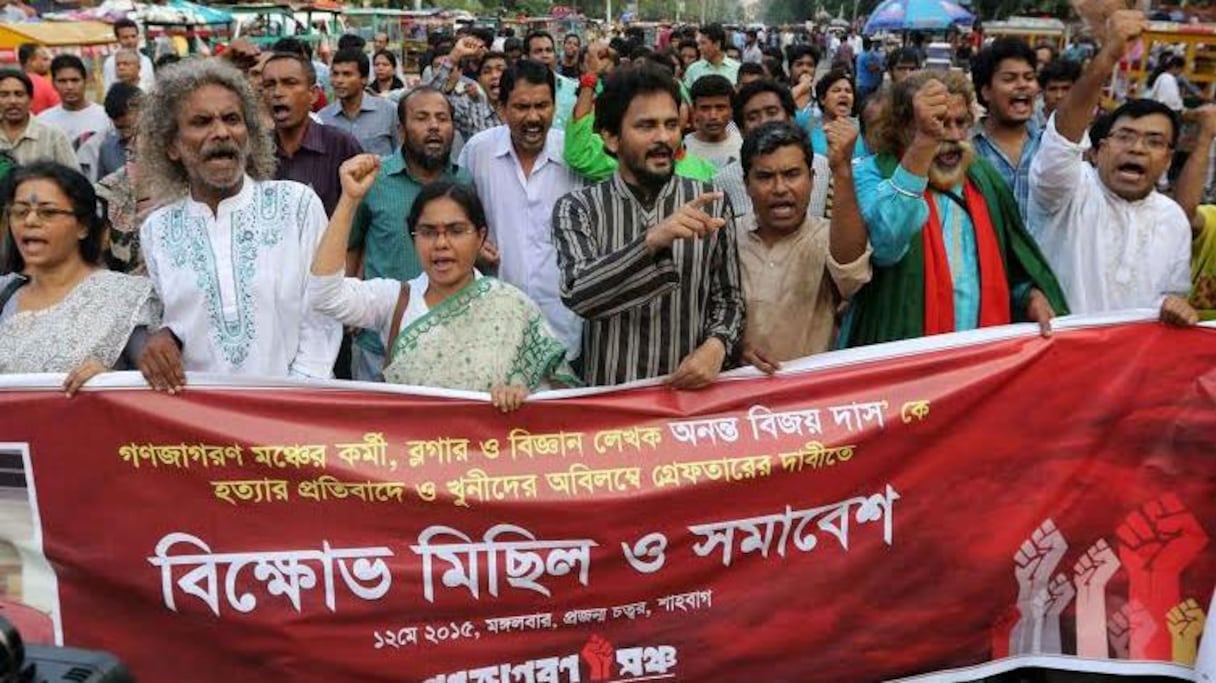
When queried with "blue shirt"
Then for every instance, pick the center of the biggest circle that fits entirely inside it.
(895, 210)
(375, 127)
(819, 143)
(1017, 177)
(866, 79)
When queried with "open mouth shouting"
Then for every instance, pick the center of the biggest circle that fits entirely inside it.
(1131, 172)
(1021, 105)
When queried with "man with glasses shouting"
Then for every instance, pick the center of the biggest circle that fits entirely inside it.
(1111, 238)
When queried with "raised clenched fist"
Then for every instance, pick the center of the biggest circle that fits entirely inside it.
(929, 107)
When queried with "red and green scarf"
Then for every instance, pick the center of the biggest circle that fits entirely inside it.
(915, 297)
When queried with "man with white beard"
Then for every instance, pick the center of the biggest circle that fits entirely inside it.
(950, 250)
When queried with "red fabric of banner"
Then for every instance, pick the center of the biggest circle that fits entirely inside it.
(858, 523)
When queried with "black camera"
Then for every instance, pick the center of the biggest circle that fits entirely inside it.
(21, 663)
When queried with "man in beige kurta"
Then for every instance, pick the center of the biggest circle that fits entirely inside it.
(796, 269)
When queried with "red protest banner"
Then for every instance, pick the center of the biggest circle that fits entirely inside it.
(885, 517)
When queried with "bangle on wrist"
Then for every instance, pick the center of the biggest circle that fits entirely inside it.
(589, 80)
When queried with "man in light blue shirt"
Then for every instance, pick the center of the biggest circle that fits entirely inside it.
(371, 120)
(711, 41)
(1007, 85)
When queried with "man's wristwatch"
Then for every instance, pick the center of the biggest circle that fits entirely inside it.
(588, 81)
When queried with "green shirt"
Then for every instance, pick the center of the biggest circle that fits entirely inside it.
(584, 152)
(379, 227)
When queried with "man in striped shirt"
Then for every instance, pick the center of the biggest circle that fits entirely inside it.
(648, 258)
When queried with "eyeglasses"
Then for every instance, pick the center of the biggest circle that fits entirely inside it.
(1126, 137)
(431, 233)
(18, 213)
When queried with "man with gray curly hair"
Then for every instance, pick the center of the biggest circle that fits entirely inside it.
(229, 250)
(950, 251)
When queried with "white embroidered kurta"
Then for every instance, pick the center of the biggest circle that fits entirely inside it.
(235, 283)
(1107, 252)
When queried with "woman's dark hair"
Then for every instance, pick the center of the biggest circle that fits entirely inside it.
(1166, 63)
(832, 78)
(460, 193)
(89, 209)
(392, 59)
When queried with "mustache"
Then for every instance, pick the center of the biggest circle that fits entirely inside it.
(660, 148)
(222, 150)
(962, 147)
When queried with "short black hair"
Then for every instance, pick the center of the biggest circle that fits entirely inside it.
(712, 85)
(715, 34)
(26, 52)
(985, 64)
(747, 92)
(831, 78)
(120, 97)
(1133, 109)
(85, 205)
(502, 56)
(460, 193)
(753, 69)
(623, 85)
(125, 23)
(574, 36)
(19, 75)
(512, 43)
(771, 137)
(533, 35)
(904, 55)
(640, 52)
(666, 60)
(351, 41)
(685, 44)
(310, 71)
(795, 52)
(1059, 70)
(355, 56)
(420, 90)
(485, 35)
(61, 62)
(528, 71)
(292, 44)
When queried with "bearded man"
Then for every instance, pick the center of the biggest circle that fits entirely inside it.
(230, 250)
(648, 258)
(950, 250)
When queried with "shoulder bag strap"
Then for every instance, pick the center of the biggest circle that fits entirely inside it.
(403, 302)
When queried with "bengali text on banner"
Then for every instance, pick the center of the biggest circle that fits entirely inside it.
(962, 504)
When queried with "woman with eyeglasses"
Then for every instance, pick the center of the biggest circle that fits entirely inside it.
(60, 311)
(450, 327)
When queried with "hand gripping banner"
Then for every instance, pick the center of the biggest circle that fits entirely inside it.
(947, 508)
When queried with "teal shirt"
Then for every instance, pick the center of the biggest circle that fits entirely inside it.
(379, 228)
(567, 96)
(895, 210)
